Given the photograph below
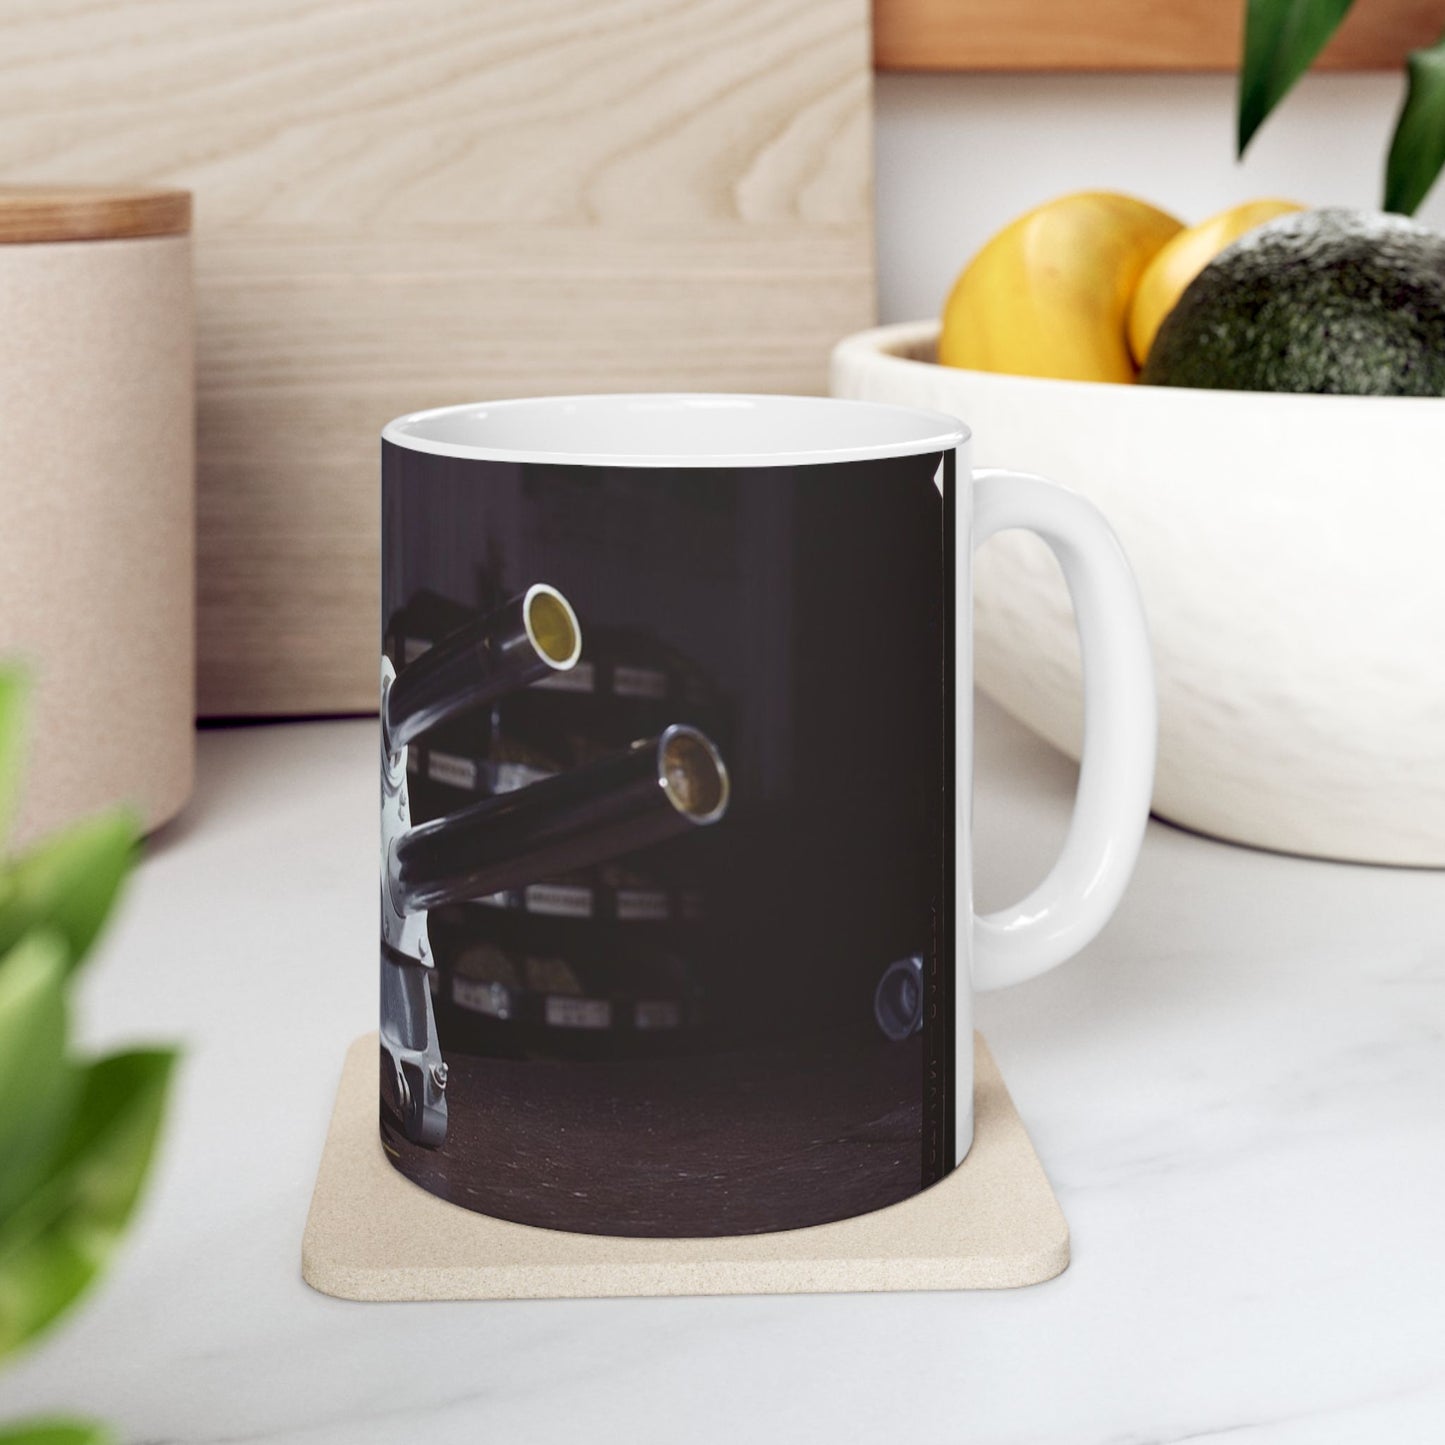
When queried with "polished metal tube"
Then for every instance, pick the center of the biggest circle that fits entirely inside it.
(533, 634)
(655, 790)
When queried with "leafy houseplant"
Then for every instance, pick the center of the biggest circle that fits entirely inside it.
(76, 1132)
(1282, 39)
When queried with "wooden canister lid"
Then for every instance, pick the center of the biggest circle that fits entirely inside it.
(91, 213)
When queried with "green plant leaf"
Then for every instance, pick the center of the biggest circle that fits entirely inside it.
(1281, 40)
(13, 688)
(59, 1239)
(55, 1431)
(1417, 153)
(37, 1081)
(68, 882)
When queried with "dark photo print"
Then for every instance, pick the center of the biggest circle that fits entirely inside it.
(667, 938)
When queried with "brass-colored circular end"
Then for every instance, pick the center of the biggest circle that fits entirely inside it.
(553, 627)
(693, 774)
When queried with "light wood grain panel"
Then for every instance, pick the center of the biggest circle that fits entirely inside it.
(402, 205)
(679, 310)
(1182, 35)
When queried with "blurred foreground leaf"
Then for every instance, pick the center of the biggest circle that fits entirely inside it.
(1281, 40)
(12, 738)
(76, 1135)
(1417, 153)
(58, 1239)
(55, 1432)
(68, 882)
(37, 1081)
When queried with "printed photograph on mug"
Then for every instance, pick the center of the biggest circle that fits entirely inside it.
(667, 791)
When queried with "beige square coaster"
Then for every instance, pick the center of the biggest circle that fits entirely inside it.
(373, 1235)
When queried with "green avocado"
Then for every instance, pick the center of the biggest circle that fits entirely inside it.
(1335, 301)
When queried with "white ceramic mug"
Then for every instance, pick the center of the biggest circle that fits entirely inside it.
(677, 923)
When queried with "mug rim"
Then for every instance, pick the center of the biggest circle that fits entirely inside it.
(914, 430)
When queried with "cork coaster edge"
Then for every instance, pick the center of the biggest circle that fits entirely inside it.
(371, 1234)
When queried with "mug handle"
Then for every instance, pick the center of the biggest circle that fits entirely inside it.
(1116, 774)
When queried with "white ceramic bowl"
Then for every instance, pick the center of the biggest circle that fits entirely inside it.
(1291, 553)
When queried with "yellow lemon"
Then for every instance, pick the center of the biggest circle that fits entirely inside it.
(1182, 258)
(1049, 295)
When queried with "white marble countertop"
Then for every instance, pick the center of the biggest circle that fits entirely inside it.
(1238, 1091)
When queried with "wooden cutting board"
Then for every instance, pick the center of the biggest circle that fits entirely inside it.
(408, 203)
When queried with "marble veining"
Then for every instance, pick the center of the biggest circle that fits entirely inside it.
(1237, 1092)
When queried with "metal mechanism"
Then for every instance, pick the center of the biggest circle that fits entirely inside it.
(534, 634)
(898, 999)
(410, 1053)
(655, 790)
(652, 791)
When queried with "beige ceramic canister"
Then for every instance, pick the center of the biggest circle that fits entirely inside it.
(97, 467)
